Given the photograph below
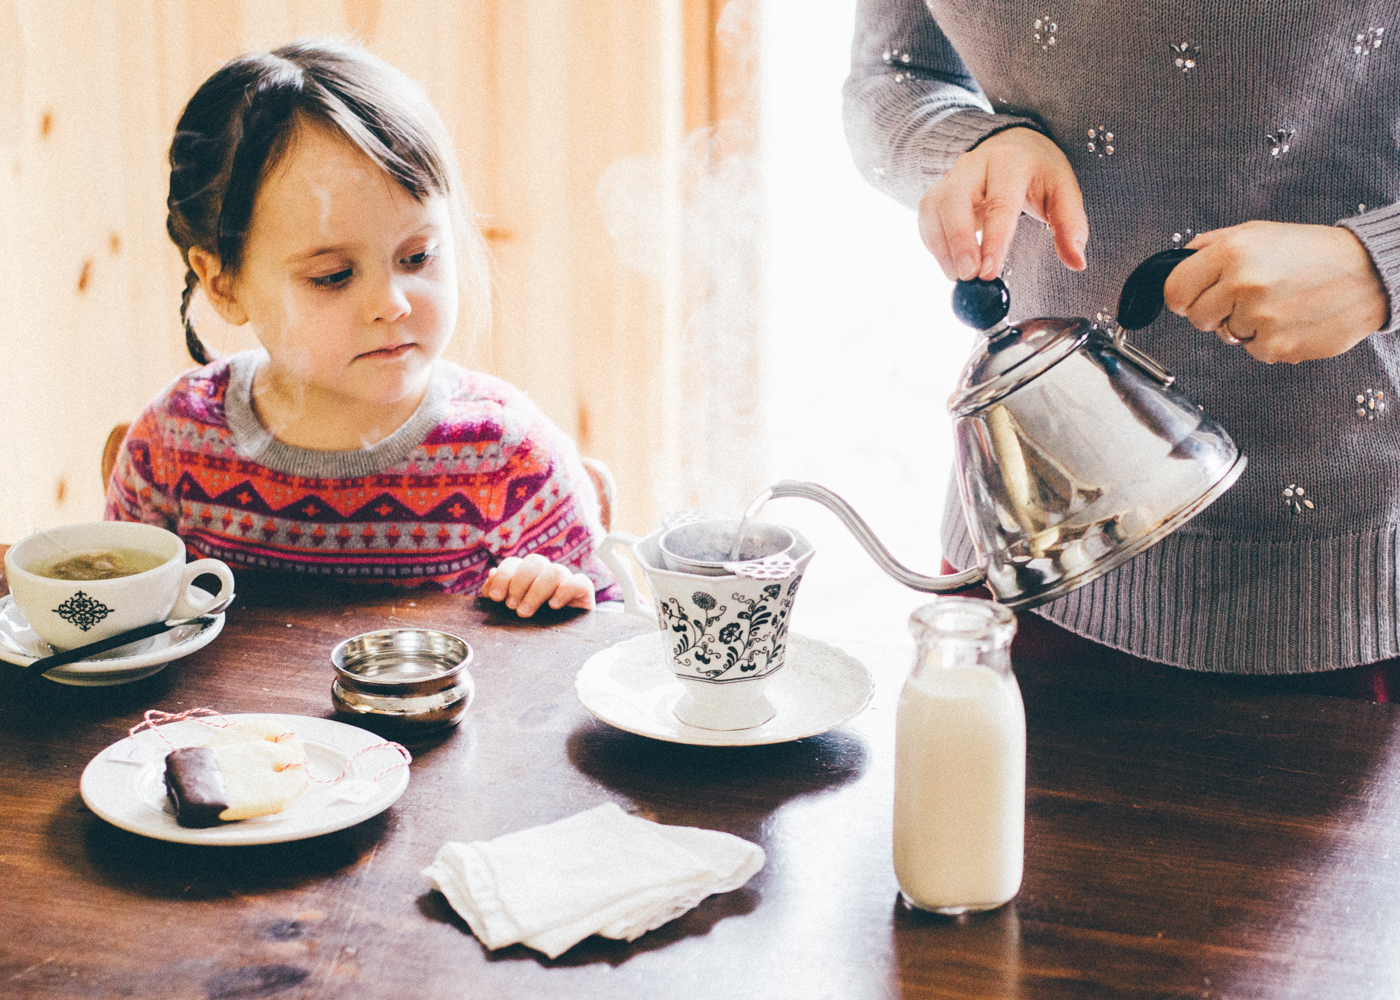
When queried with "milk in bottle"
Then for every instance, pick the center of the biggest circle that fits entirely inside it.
(960, 761)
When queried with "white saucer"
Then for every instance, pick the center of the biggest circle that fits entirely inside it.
(125, 784)
(631, 686)
(118, 666)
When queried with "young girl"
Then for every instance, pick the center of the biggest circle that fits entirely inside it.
(314, 196)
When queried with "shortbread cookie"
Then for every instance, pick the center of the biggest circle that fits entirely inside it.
(245, 770)
(244, 730)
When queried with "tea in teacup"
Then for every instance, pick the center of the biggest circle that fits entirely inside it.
(99, 564)
(148, 581)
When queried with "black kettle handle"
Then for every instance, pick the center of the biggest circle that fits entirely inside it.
(1141, 300)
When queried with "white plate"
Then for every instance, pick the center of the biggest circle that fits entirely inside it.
(21, 645)
(125, 784)
(631, 686)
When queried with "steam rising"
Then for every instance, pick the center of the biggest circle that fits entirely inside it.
(692, 221)
(16, 38)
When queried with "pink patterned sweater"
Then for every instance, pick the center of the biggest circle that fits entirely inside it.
(477, 474)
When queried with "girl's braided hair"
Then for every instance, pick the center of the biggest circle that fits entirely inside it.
(239, 124)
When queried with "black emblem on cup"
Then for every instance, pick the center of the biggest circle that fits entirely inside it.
(82, 611)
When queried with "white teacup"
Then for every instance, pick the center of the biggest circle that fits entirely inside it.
(727, 633)
(70, 613)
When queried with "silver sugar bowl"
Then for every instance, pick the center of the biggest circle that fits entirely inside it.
(405, 679)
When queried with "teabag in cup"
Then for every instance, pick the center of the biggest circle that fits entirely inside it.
(46, 548)
(705, 547)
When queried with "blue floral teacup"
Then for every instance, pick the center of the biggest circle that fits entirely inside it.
(727, 633)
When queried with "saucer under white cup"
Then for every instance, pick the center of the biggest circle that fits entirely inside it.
(630, 686)
(71, 613)
(22, 646)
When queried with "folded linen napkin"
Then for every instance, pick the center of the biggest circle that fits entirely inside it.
(597, 872)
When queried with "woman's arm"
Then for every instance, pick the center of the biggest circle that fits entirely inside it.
(1284, 291)
(911, 108)
(1379, 232)
(920, 129)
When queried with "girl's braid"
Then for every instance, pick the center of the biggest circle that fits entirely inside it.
(201, 354)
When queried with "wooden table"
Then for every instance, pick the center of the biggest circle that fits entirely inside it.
(1186, 837)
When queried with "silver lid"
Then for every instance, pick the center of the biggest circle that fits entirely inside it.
(1010, 356)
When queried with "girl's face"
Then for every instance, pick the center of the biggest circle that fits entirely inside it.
(349, 282)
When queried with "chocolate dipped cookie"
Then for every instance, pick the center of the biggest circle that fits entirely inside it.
(243, 771)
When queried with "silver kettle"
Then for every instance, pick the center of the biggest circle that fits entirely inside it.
(1074, 450)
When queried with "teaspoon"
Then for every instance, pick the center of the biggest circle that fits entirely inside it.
(41, 666)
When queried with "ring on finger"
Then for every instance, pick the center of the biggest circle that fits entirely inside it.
(1224, 332)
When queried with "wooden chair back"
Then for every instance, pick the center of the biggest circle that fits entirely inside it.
(111, 450)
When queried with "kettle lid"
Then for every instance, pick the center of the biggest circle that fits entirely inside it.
(1008, 356)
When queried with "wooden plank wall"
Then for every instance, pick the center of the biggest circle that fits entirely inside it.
(541, 95)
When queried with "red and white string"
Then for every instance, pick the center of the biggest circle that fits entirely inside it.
(154, 719)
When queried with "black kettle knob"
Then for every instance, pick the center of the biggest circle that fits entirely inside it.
(981, 304)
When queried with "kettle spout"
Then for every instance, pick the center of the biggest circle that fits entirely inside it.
(950, 583)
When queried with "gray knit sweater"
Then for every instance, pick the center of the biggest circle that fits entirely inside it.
(1285, 110)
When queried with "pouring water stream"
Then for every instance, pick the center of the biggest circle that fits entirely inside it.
(750, 513)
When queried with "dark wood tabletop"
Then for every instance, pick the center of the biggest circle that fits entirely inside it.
(1185, 837)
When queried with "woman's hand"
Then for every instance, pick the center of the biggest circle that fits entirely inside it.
(1287, 292)
(1015, 171)
(526, 584)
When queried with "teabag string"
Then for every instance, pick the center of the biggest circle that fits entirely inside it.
(155, 718)
(58, 550)
(53, 541)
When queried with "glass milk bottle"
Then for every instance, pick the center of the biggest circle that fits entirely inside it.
(960, 761)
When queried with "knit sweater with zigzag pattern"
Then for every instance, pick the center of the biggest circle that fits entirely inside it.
(477, 474)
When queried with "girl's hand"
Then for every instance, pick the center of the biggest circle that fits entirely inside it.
(526, 584)
(1288, 292)
(1015, 171)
